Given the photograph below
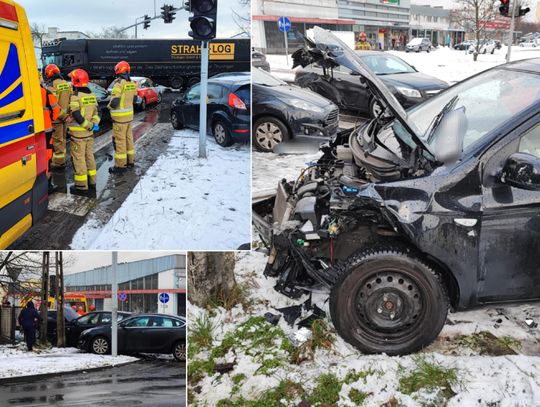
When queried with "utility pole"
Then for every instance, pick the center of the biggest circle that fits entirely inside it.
(511, 34)
(59, 292)
(44, 298)
(114, 299)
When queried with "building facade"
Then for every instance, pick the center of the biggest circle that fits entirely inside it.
(434, 23)
(142, 282)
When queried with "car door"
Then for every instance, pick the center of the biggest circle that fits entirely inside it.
(191, 107)
(216, 94)
(152, 91)
(131, 334)
(510, 228)
(157, 336)
(354, 94)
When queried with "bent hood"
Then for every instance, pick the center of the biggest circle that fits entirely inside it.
(329, 51)
(295, 92)
(417, 80)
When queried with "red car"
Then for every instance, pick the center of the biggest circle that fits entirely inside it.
(147, 91)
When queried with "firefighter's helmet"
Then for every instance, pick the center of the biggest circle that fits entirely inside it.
(50, 70)
(122, 67)
(362, 36)
(79, 78)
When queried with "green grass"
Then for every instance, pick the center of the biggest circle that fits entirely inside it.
(357, 397)
(429, 376)
(485, 343)
(326, 391)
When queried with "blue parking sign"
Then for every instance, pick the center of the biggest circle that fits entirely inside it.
(284, 24)
(164, 298)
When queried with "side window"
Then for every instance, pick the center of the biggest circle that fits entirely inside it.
(94, 318)
(149, 83)
(194, 93)
(530, 142)
(138, 322)
(214, 91)
(161, 322)
(85, 319)
(106, 318)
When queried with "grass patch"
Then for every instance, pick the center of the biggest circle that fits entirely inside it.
(485, 343)
(201, 334)
(198, 368)
(357, 397)
(239, 294)
(429, 376)
(327, 390)
(280, 396)
(353, 376)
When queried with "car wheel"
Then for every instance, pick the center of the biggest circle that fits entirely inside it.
(386, 300)
(99, 345)
(159, 97)
(375, 108)
(179, 351)
(193, 81)
(268, 133)
(143, 104)
(176, 122)
(428, 50)
(222, 134)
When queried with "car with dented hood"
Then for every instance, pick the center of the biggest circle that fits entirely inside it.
(415, 213)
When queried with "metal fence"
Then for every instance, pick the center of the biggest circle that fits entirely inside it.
(8, 322)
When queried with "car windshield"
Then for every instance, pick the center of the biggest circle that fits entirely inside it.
(386, 64)
(488, 101)
(415, 41)
(262, 78)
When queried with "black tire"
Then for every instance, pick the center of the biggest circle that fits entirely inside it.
(428, 50)
(177, 82)
(179, 351)
(100, 345)
(373, 105)
(143, 104)
(193, 81)
(387, 300)
(176, 121)
(268, 132)
(222, 134)
(492, 51)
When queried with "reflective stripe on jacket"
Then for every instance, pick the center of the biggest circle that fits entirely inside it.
(87, 105)
(62, 90)
(125, 91)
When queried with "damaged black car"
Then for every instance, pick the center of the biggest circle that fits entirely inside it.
(416, 212)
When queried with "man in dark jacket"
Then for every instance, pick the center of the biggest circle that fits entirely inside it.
(27, 319)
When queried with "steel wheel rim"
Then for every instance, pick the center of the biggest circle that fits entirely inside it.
(174, 120)
(219, 133)
(180, 351)
(268, 135)
(100, 346)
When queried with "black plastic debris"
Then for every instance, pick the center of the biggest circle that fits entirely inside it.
(317, 314)
(272, 318)
(291, 314)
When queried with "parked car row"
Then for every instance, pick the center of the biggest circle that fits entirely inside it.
(140, 333)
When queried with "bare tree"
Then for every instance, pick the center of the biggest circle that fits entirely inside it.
(38, 33)
(475, 16)
(243, 19)
(19, 272)
(109, 32)
(210, 275)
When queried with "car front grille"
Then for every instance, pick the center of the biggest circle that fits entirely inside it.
(332, 118)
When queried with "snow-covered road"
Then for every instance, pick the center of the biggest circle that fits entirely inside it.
(182, 202)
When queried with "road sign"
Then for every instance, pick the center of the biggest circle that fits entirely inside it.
(164, 298)
(122, 296)
(284, 24)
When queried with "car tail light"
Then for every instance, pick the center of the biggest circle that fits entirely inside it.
(236, 103)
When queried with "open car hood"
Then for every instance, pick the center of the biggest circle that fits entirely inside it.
(329, 51)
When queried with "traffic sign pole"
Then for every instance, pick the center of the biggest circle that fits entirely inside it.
(284, 25)
(203, 101)
(286, 47)
(114, 313)
(511, 34)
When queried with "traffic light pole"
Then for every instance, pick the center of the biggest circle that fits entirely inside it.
(203, 100)
(511, 34)
(114, 301)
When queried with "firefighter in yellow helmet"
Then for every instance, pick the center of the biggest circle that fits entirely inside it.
(62, 90)
(85, 118)
(362, 44)
(121, 107)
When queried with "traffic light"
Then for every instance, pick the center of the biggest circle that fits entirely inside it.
(504, 8)
(204, 20)
(523, 11)
(167, 13)
(146, 22)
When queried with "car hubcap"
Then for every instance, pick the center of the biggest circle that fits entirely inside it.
(219, 133)
(174, 120)
(180, 352)
(100, 346)
(389, 302)
(269, 135)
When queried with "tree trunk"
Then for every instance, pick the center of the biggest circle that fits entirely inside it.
(210, 275)
(44, 298)
(59, 290)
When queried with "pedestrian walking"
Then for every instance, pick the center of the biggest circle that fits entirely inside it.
(121, 107)
(27, 320)
(85, 118)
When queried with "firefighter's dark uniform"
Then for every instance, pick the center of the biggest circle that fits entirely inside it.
(84, 109)
(62, 90)
(121, 107)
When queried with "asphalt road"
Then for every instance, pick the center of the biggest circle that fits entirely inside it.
(155, 383)
(67, 213)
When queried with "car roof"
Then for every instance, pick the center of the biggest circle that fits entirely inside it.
(158, 315)
(529, 65)
(232, 80)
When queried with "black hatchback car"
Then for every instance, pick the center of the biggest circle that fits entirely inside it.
(343, 87)
(281, 111)
(416, 212)
(142, 333)
(228, 109)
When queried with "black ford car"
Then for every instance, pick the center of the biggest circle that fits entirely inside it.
(345, 88)
(281, 111)
(416, 212)
(142, 333)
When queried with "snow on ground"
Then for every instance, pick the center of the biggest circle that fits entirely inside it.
(509, 380)
(180, 200)
(15, 361)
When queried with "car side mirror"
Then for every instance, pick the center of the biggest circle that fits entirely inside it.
(522, 171)
(449, 136)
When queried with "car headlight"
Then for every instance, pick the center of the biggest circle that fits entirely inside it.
(411, 93)
(302, 104)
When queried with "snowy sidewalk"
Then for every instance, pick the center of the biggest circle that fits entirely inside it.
(17, 362)
(179, 200)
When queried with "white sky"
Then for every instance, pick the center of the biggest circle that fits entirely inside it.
(87, 260)
(93, 15)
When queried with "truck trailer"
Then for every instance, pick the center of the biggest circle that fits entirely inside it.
(169, 62)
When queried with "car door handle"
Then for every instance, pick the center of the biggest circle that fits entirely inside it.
(466, 222)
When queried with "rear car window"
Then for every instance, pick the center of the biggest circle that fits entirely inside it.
(244, 93)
